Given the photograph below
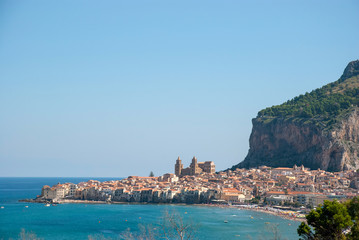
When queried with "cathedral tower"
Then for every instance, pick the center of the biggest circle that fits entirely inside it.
(178, 167)
(194, 167)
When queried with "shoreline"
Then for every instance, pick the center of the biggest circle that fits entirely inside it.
(266, 210)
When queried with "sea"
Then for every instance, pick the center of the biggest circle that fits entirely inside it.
(113, 221)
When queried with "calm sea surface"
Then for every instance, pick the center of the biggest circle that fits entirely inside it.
(78, 221)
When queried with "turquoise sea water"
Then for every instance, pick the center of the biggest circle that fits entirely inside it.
(78, 221)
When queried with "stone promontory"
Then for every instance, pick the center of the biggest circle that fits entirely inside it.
(319, 129)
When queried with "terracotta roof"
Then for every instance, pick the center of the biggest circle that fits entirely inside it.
(275, 193)
(283, 168)
(302, 193)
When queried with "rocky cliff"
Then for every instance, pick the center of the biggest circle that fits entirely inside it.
(319, 129)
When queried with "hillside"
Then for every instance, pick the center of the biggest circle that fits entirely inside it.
(319, 129)
(325, 104)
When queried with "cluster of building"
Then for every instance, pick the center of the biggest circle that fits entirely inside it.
(199, 183)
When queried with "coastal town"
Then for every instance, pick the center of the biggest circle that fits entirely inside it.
(200, 184)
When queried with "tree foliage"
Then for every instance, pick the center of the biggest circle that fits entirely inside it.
(353, 210)
(326, 102)
(332, 220)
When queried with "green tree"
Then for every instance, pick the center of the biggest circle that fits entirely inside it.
(353, 210)
(327, 102)
(151, 174)
(305, 232)
(329, 221)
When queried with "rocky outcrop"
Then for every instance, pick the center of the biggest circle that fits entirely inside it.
(351, 70)
(279, 141)
(283, 143)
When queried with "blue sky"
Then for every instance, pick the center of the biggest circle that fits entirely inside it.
(119, 88)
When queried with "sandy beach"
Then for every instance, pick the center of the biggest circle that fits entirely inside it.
(268, 210)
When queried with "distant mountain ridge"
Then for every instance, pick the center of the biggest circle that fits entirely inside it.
(319, 129)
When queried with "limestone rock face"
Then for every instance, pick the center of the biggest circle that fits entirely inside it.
(351, 70)
(329, 141)
(283, 143)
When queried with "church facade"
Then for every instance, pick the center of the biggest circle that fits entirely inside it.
(195, 167)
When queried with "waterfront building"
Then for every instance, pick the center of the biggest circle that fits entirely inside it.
(56, 192)
(194, 184)
(278, 197)
(72, 190)
(232, 195)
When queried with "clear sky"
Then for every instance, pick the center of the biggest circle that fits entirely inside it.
(119, 88)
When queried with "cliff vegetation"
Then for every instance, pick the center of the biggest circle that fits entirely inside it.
(326, 105)
(319, 129)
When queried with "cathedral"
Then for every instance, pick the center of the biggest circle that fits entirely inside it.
(194, 168)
